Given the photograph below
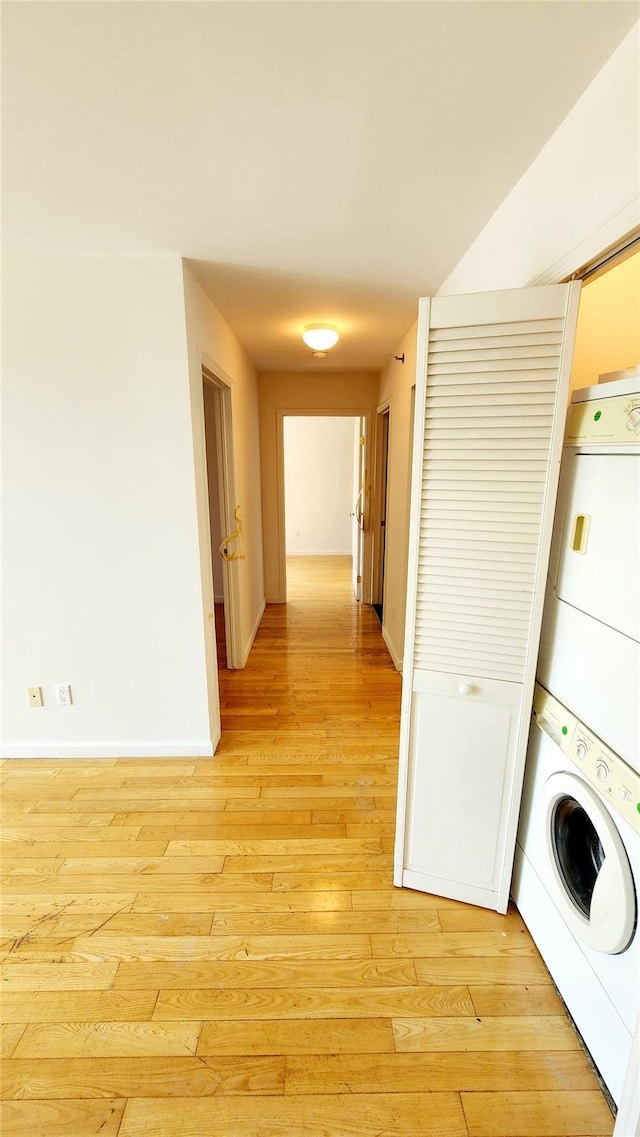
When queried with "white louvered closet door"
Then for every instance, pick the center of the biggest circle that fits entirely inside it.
(491, 400)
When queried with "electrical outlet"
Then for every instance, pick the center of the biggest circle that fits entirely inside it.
(34, 695)
(63, 695)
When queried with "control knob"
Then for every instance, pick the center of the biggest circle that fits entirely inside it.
(581, 749)
(633, 419)
(602, 770)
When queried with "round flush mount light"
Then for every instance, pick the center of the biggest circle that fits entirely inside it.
(320, 337)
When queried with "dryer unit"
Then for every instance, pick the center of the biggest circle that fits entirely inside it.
(590, 643)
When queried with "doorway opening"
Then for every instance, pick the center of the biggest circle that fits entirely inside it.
(222, 523)
(380, 519)
(324, 494)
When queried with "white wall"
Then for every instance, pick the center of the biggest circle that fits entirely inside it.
(211, 341)
(580, 195)
(318, 484)
(101, 562)
(395, 387)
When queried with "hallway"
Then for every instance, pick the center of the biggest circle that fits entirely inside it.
(214, 948)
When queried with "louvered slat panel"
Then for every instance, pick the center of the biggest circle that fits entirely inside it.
(488, 418)
(490, 331)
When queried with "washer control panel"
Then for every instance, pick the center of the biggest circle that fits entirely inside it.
(618, 783)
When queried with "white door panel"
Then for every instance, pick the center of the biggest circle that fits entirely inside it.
(451, 814)
(359, 507)
(484, 481)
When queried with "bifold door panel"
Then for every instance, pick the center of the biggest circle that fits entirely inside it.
(491, 396)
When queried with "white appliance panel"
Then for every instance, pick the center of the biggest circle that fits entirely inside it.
(599, 565)
(595, 672)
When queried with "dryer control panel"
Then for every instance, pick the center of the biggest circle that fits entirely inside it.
(608, 413)
(618, 783)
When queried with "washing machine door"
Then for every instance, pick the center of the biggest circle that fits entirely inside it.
(591, 874)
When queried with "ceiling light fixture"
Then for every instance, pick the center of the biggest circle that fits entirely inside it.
(320, 337)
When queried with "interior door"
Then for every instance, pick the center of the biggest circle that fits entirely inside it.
(380, 520)
(491, 399)
(359, 506)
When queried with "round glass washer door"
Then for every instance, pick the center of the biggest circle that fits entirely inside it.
(590, 868)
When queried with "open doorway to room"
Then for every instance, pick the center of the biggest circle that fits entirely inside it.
(324, 495)
(380, 511)
(223, 526)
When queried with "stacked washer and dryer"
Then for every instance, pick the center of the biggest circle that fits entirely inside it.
(577, 871)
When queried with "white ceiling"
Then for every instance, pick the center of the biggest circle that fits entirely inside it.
(314, 160)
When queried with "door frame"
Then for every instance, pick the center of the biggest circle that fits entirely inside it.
(223, 421)
(379, 504)
(324, 412)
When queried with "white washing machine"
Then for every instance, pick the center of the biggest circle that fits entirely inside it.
(577, 878)
(590, 643)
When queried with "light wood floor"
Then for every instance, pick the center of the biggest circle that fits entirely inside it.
(213, 948)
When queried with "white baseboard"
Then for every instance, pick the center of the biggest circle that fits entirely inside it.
(191, 749)
(253, 634)
(318, 552)
(395, 658)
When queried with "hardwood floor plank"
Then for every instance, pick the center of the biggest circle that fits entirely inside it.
(146, 866)
(71, 848)
(60, 1118)
(108, 1040)
(262, 829)
(10, 1036)
(483, 970)
(319, 923)
(104, 947)
(252, 847)
(194, 792)
(292, 1003)
(329, 881)
(580, 1113)
(186, 882)
(53, 925)
(464, 918)
(398, 900)
(491, 1033)
(73, 1006)
(247, 902)
(288, 973)
(436, 1072)
(301, 863)
(210, 820)
(306, 1036)
(453, 943)
(532, 999)
(20, 834)
(407, 1115)
(364, 804)
(58, 976)
(148, 1077)
(38, 904)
